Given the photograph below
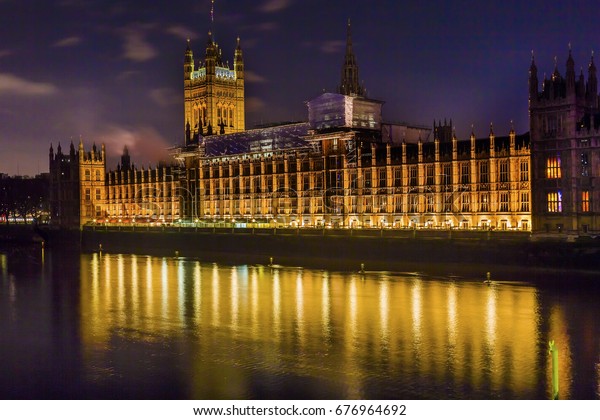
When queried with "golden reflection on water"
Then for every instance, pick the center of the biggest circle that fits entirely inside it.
(325, 307)
(323, 324)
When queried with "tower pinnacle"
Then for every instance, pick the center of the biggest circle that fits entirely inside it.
(349, 83)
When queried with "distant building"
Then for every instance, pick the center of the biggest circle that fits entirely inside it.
(565, 139)
(77, 189)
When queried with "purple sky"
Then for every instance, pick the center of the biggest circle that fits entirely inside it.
(111, 71)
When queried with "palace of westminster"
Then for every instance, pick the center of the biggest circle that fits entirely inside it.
(346, 167)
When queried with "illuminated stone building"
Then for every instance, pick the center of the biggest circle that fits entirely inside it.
(565, 138)
(344, 167)
(77, 190)
(348, 168)
(213, 93)
(143, 195)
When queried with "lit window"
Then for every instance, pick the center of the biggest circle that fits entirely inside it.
(413, 176)
(524, 176)
(585, 201)
(465, 203)
(465, 177)
(524, 201)
(503, 175)
(553, 167)
(555, 202)
(430, 175)
(485, 202)
(504, 201)
(484, 172)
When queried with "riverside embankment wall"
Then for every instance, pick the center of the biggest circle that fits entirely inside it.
(494, 248)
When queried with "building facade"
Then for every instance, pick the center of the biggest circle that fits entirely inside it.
(77, 185)
(213, 93)
(355, 177)
(565, 139)
(344, 167)
(348, 168)
(142, 195)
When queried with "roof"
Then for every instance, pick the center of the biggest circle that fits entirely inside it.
(283, 137)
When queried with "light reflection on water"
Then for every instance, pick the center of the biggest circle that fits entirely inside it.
(147, 326)
(335, 326)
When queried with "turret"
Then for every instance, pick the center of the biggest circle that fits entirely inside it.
(238, 61)
(581, 85)
(592, 85)
(125, 159)
(188, 132)
(533, 80)
(51, 153)
(570, 75)
(188, 62)
(211, 55)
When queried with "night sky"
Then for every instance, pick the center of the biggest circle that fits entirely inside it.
(112, 71)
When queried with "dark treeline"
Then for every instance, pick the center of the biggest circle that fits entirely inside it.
(23, 200)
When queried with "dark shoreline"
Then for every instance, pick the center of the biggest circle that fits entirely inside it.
(439, 252)
(465, 255)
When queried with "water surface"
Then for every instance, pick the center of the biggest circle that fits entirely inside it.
(137, 326)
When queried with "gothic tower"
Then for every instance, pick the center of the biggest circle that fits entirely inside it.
(213, 93)
(564, 121)
(92, 170)
(350, 83)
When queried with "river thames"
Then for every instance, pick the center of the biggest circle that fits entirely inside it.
(114, 326)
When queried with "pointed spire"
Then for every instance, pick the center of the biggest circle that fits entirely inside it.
(592, 85)
(555, 74)
(350, 81)
(570, 74)
(533, 80)
(570, 61)
(238, 60)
